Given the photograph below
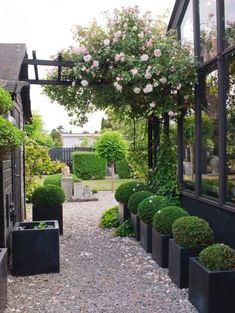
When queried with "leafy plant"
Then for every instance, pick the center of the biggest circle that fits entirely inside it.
(43, 225)
(125, 190)
(124, 230)
(109, 218)
(48, 196)
(123, 169)
(149, 206)
(164, 219)
(136, 198)
(10, 136)
(55, 179)
(218, 257)
(87, 165)
(94, 191)
(192, 232)
(6, 102)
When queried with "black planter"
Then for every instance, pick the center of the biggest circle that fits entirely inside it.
(160, 248)
(211, 292)
(3, 279)
(146, 236)
(41, 213)
(135, 222)
(179, 263)
(124, 213)
(35, 251)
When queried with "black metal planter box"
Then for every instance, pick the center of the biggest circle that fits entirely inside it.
(35, 251)
(3, 279)
(41, 213)
(160, 248)
(179, 263)
(211, 292)
(124, 213)
(146, 236)
(135, 222)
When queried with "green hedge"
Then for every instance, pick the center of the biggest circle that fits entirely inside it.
(48, 196)
(88, 165)
(56, 179)
(123, 169)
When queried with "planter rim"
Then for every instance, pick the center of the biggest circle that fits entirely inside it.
(17, 225)
(196, 260)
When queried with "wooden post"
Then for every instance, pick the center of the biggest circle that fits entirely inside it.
(112, 177)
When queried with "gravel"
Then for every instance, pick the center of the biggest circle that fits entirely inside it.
(99, 273)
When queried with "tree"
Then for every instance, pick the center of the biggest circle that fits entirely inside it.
(56, 137)
(85, 142)
(111, 147)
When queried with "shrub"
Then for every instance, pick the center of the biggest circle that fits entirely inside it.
(48, 195)
(123, 169)
(109, 218)
(218, 257)
(6, 103)
(87, 165)
(192, 232)
(164, 219)
(136, 198)
(10, 136)
(124, 230)
(149, 206)
(56, 179)
(124, 191)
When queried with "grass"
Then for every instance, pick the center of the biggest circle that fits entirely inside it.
(104, 184)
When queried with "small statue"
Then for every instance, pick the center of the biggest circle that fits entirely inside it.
(66, 171)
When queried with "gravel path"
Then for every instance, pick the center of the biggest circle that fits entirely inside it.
(99, 273)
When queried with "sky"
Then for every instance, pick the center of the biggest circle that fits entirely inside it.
(46, 26)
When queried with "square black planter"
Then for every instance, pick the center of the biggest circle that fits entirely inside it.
(211, 292)
(124, 213)
(55, 212)
(160, 248)
(146, 236)
(3, 279)
(35, 251)
(179, 263)
(135, 222)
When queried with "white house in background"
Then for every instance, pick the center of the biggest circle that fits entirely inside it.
(78, 140)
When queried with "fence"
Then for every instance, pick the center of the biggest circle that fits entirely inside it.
(65, 154)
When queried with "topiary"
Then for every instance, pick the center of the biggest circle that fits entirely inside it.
(192, 232)
(136, 198)
(49, 195)
(125, 190)
(56, 179)
(218, 257)
(124, 230)
(149, 206)
(164, 218)
(109, 218)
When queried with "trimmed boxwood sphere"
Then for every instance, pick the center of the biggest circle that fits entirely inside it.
(55, 179)
(149, 206)
(164, 219)
(192, 232)
(124, 191)
(218, 257)
(136, 198)
(49, 195)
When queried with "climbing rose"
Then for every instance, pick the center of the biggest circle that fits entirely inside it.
(84, 83)
(141, 35)
(87, 58)
(148, 75)
(96, 63)
(73, 83)
(106, 42)
(117, 86)
(118, 34)
(152, 104)
(144, 57)
(134, 71)
(148, 88)
(163, 80)
(149, 43)
(186, 97)
(137, 90)
(157, 53)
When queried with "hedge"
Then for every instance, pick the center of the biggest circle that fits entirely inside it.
(88, 165)
(55, 179)
(123, 169)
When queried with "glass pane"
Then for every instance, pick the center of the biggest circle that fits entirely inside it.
(208, 33)
(210, 137)
(187, 27)
(229, 22)
(189, 152)
(231, 133)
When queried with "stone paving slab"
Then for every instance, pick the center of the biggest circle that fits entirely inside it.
(99, 273)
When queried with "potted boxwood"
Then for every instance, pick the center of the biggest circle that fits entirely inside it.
(3, 279)
(35, 248)
(212, 280)
(145, 211)
(133, 203)
(162, 232)
(123, 194)
(191, 234)
(48, 204)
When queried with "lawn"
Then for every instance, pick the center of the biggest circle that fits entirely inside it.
(104, 184)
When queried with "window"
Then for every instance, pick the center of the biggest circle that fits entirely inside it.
(229, 22)
(186, 30)
(210, 137)
(208, 33)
